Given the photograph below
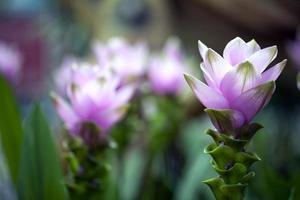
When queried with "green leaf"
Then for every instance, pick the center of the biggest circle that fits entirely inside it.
(40, 174)
(11, 136)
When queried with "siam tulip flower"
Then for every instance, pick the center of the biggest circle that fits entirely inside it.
(165, 71)
(238, 85)
(127, 60)
(10, 62)
(93, 97)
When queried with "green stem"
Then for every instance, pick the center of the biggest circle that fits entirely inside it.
(232, 162)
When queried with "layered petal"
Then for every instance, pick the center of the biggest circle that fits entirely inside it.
(226, 120)
(202, 49)
(207, 96)
(253, 46)
(262, 58)
(239, 80)
(273, 73)
(215, 66)
(81, 102)
(253, 100)
(236, 51)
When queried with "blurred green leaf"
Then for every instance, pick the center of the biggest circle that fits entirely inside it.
(40, 175)
(134, 164)
(10, 129)
(193, 140)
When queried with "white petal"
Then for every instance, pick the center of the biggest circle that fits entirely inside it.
(236, 51)
(262, 58)
(253, 46)
(202, 49)
(216, 66)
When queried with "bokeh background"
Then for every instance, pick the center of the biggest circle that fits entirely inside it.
(46, 31)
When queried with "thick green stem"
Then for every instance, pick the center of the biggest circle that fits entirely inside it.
(232, 162)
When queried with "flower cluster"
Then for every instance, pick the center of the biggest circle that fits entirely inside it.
(97, 95)
(128, 61)
(238, 84)
(10, 62)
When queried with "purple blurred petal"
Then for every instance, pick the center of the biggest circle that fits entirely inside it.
(65, 111)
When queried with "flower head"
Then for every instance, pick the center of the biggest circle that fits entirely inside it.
(93, 97)
(10, 62)
(127, 60)
(237, 85)
(165, 70)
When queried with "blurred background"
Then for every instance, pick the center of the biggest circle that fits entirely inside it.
(46, 31)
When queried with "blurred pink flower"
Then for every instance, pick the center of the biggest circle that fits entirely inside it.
(293, 49)
(166, 70)
(238, 84)
(93, 96)
(127, 60)
(10, 62)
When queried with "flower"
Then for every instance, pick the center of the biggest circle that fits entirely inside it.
(165, 71)
(10, 62)
(127, 60)
(238, 84)
(93, 97)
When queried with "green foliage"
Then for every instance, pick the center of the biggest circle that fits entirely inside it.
(231, 161)
(40, 174)
(11, 134)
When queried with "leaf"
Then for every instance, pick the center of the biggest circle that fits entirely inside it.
(11, 135)
(40, 174)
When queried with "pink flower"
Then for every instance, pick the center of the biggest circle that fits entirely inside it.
(127, 60)
(238, 84)
(93, 97)
(10, 62)
(165, 71)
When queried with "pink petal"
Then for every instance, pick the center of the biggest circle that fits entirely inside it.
(65, 111)
(123, 95)
(82, 103)
(253, 100)
(239, 80)
(262, 58)
(207, 96)
(215, 66)
(236, 51)
(273, 73)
